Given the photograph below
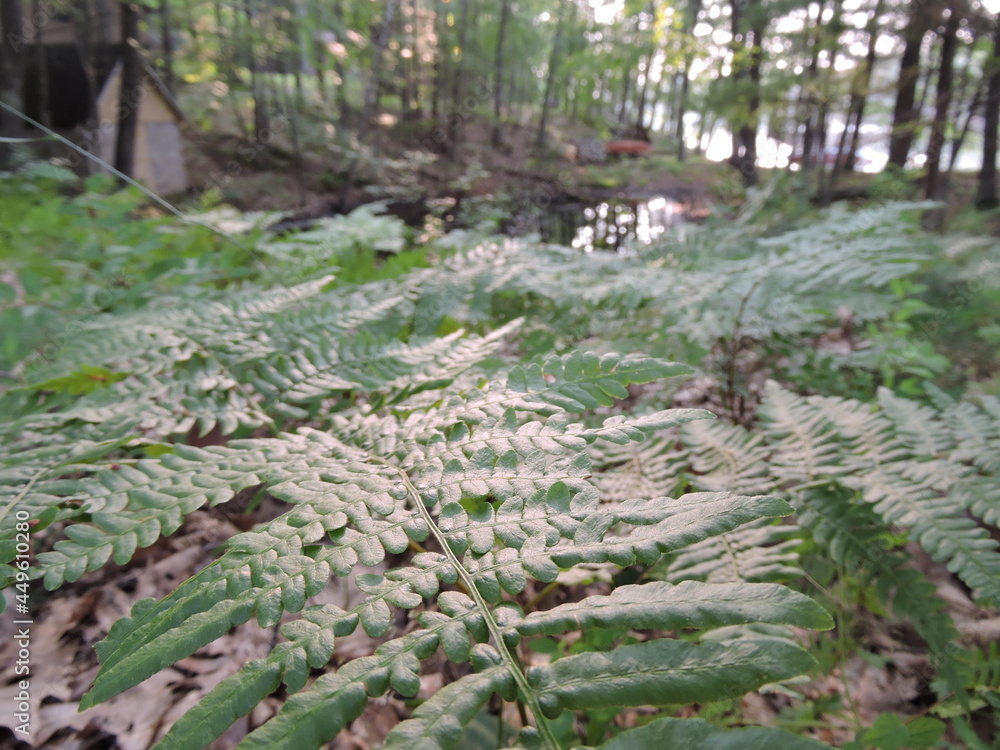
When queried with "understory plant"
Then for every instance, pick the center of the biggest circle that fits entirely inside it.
(460, 441)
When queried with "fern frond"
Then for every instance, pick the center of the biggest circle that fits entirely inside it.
(727, 456)
(506, 500)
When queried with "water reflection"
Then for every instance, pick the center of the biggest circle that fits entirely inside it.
(610, 225)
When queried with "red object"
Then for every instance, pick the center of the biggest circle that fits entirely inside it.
(638, 148)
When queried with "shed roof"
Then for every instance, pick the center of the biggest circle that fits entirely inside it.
(155, 81)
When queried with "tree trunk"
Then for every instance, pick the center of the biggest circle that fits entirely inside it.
(131, 90)
(497, 138)
(935, 188)
(962, 112)
(640, 115)
(454, 117)
(809, 98)
(905, 115)
(749, 137)
(859, 93)
(439, 67)
(626, 92)
(959, 139)
(42, 66)
(550, 80)
(11, 74)
(694, 7)
(261, 120)
(986, 194)
(168, 45)
(381, 41)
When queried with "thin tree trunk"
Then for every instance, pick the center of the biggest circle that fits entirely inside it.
(641, 114)
(296, 108)
(905, 115)
(859, 93)
(42, 65)
(131, 90)
(986, 193)
(454, 119)
(737, 47)
(497, 138)
(809, 98)
(381, 41)
(11, 74)
(935, 187)
(695, 8)
(959, 140)
(963, 113)
(550, 80)
(856, 108)
(168, 45)
(749, 131)
(261, 121)
(439, 67)
(411, 70)
(626, 92)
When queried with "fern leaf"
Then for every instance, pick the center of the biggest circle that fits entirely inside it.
(690, 604)
(439, 723)
(663, 672)
(698, 734)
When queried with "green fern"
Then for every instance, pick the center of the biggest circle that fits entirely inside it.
(493, 481)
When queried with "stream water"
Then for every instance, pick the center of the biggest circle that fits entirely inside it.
(610, 225)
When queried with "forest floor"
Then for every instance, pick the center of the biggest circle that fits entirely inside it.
(408, 172)
(403, 167)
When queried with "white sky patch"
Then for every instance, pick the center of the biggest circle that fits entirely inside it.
(607, 12)
(885, 45)
(789, 25)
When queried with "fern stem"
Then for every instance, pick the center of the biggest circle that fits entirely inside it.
(512, 664)
(21, 494)
(732, 557)
(842, 658)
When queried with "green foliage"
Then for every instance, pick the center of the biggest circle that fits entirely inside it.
(408, 446)
(495, 475)
(443, 437)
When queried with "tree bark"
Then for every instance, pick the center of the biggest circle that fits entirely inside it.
(454, 117)
(371, 90)
(497, 137)
(959, 139)
(694, 8)
(641, 113)
(859, 93)
(986, 193)
(750, 175)
(130, 95)
(261, 120)
(42, 65)
(550, 80)
(11, 73)
(626, 92)
(168, 45)
(905, 115)
(935, 187)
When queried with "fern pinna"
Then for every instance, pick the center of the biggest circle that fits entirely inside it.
(486, 484)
